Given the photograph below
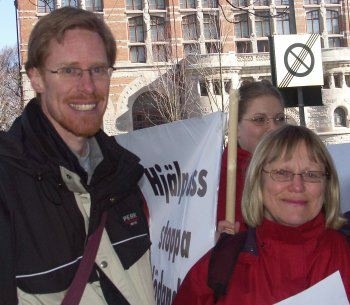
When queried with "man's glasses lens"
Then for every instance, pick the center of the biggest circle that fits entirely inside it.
(74, 73)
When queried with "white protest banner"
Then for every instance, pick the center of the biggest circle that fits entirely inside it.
(182, 164)
(340, 155)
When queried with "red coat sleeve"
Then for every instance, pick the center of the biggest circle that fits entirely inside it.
(194, 289)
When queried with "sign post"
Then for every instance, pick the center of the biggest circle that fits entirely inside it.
(296, 62)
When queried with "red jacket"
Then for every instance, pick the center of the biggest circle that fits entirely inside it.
(288, 261)
(243, 158)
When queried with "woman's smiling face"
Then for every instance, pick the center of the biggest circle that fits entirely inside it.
(295, 202)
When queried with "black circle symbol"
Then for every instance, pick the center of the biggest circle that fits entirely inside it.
(299, 59)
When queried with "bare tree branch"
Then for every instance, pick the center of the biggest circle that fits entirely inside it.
(10, 89)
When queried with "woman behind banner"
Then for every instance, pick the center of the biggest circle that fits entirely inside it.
(291, 205)
(260, 110)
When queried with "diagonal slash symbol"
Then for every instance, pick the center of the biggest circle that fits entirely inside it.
(299, 60)
(308, 70)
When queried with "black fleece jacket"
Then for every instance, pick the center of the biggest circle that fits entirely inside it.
(41, 226)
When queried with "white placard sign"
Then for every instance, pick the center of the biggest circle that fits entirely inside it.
(182, 164)
(298, 60)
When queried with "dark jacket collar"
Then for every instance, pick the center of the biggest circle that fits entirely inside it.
(32, 137)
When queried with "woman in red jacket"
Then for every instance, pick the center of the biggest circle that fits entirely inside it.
(260, 110)
(291, 205)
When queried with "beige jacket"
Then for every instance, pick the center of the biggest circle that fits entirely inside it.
(135, 283)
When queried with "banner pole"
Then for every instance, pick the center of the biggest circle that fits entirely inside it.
(232, 156)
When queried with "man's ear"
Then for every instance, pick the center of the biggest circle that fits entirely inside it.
(36, 80)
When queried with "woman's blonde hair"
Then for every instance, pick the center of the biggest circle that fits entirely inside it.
(282, 143)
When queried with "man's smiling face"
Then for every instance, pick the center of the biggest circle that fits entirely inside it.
(74, 107)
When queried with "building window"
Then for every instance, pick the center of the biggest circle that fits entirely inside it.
(203, 89)
(213, 47)
(263, 46)
(283, 24)
(93, 5)
(190, 27)
(331, 1)
(134, 5)
(334, 42)
(146, 111)
(191, 48)
(45, 6)
(240, 3)
(282, 2)
(209, 3)
(156, 4)
(158, 29)
(136, 33)
(312, 22)
(332, 22)
(247, 80)
(261, 3)
(265, 77)
(211, 26)
(337, 80)
(188, 3)
(325, 82)
(73, 3)
(339, 117)
(311, 1)
(217, 87)
(243, 47)
(262, 26)
(241, 26)
(347, 79)
(138, 54)
(227, 86)
(160, 52)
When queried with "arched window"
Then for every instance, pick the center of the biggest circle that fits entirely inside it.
(283, 24)
(339, 117)
(211, 26)
(313, 22)
(332, 22)
(241, 26)
(73, 3)
(133, 4)
(146, 111)
(190, 27)
(46, 6)
(158, 30)
(136, 29)
(262, 24)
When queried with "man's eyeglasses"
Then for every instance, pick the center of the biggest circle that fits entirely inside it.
(262, 119)
(282, 175)
(74, 73)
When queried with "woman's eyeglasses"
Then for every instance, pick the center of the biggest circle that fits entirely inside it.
(282, 175)
(262, 119)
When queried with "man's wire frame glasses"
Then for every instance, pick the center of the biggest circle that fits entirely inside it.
(75, 73)
(283, 175)
(262, 119)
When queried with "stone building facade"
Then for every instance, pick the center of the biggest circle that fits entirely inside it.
(212, 46)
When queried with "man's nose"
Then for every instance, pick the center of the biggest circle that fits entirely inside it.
(86, 81)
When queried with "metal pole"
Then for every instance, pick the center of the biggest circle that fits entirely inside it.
(301, 106)
(15, 3)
